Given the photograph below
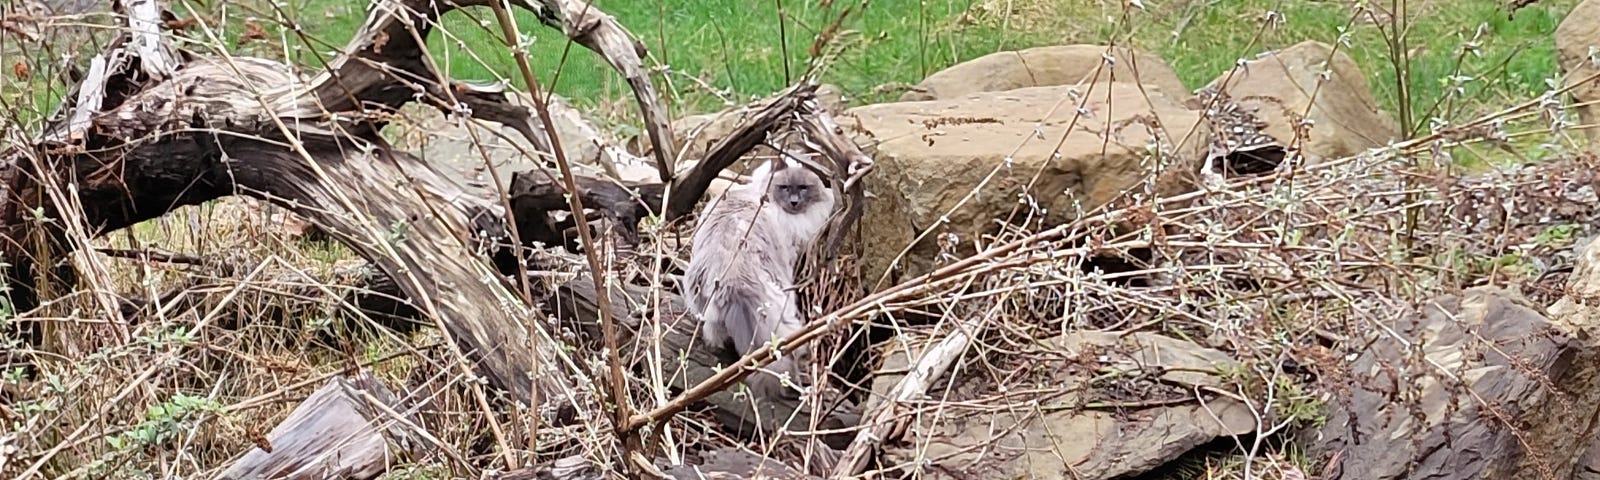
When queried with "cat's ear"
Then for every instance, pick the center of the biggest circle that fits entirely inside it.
(780, 164)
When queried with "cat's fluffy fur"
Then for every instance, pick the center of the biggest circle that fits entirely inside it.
(741, 270)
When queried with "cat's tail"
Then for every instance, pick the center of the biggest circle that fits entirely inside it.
(740, 315)
(733, 316)
(750, 315)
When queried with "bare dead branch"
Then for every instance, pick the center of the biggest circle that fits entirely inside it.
(885, 425)
(681, 353)
(601, 33)
(765, 117)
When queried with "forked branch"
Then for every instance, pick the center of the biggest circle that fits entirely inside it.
(149, 132)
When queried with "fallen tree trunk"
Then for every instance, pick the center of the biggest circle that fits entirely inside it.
(534, 195)
(153, 129)
(416, 233)
(144, 136)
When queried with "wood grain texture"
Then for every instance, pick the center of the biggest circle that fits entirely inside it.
(339, 431)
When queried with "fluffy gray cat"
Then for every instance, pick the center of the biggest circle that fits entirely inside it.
(740, 280)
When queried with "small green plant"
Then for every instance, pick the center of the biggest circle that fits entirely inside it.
(417, 472)
(164, 421)
(1296, 403)
(169, 336)
(1557, 235)
(397, 232)
(319, 324)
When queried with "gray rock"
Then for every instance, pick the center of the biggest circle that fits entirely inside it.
(1278, 89)
(1462, 390)
(461, 147)
(1116, 406)
(696, 134)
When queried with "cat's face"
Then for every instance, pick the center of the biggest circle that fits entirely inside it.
(795, 188)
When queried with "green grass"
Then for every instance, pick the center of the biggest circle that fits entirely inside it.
(1514, 58)
(736, 47)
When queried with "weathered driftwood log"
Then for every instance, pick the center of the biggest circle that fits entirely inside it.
(535, 194)
(152, 129)
(594, 29)
(884, 424)
(343, 430)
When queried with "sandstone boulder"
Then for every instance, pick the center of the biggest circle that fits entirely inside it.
(1473, 386)
(1110, 406)
(1578, 51)
(982, 151)
(1046, 66)
(1308, 81)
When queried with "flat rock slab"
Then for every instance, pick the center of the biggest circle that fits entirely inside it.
(1049, 65)
(1095, 406)
(1458, 391)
